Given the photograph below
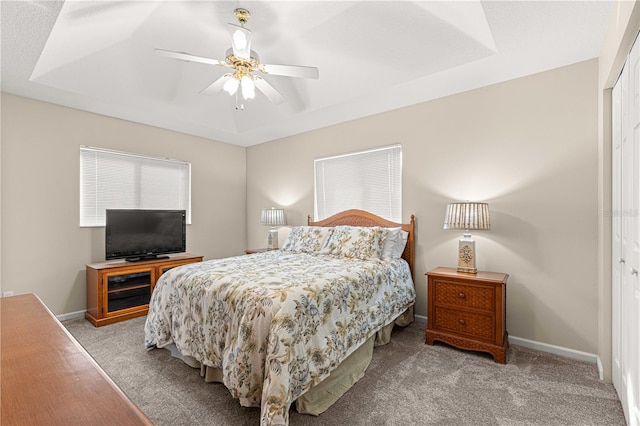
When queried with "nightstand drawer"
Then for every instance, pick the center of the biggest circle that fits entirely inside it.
(463, 322)
(464, 296)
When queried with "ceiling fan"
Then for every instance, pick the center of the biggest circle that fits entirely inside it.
(244, 62)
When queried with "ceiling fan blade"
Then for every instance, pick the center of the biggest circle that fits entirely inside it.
(290, 70)
(188, 57)
(240, 41)
(269, 91)
(216, 86)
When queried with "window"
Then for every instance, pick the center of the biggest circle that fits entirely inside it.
(118, 180)
(368, 180)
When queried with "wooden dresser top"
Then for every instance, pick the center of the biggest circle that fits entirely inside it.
(48, 378)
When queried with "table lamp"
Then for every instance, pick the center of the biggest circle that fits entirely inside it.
(272, 217)
(467, 216)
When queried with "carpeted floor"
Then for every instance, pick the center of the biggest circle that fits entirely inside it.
(407, 383)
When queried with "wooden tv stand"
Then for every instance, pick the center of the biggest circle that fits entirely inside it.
(119, 290)
(49, 379)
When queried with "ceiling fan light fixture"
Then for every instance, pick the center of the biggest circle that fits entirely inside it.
(244, 62)
(248, 88)
(231, 86)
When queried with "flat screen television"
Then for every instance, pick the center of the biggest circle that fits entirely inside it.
(137, 235)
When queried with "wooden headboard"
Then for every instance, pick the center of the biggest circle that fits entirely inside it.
(356, 217)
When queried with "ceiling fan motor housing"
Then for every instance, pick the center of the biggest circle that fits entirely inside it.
(242, 66)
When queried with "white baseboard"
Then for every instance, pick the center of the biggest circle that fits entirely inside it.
(545, 347)
(557, 350)
(70, 315)
(421, 319)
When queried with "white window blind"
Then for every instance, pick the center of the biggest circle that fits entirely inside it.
(368, 180)
(118, 180)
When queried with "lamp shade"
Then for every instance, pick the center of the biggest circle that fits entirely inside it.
(273, 217)
(466, 215)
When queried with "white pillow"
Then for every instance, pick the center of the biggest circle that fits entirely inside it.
(394, 244)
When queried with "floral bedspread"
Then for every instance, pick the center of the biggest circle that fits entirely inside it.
(276, 322)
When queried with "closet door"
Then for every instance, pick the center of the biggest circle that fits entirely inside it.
(626, 237)
(631, 240)
(617, 259)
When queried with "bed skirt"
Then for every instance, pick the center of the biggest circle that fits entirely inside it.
(324, 394)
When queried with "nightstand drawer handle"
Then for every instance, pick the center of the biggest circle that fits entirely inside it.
(461, 296)
(461, 321)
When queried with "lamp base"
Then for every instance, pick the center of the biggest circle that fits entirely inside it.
(272, 239)
(467, 256)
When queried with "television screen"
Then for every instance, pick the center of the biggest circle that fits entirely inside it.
(144, 234)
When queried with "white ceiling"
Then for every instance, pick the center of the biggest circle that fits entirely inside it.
(373, 56)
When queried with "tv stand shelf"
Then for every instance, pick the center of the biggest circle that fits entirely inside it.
(119, 290)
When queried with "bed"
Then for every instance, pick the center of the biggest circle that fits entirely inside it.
(278, 326)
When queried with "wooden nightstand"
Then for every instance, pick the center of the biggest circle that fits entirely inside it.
(468, 311)
(259, 250)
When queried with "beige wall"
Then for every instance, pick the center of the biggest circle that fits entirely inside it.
(43, 248)
(527, 146)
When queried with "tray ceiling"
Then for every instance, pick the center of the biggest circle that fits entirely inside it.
(373, 56)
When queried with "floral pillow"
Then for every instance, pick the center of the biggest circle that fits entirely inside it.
(307, 239)
(356, 242)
